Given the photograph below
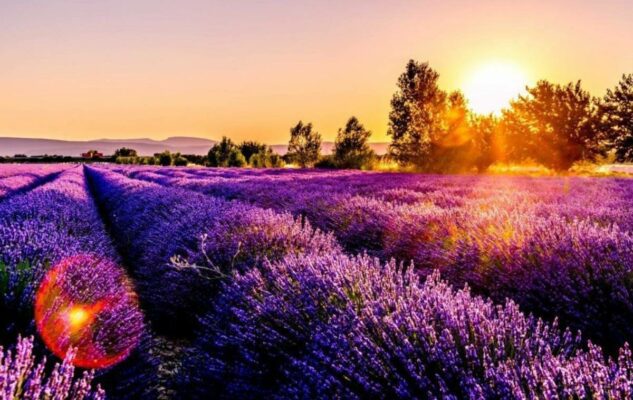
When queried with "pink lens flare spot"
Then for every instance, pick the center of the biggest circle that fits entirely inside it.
(88, 303)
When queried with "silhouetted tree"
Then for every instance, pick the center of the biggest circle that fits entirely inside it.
(616, 111)
(178, 160)
(484, 132)
(195, 159)
(219, 154)
(450, 144)
(248, 148)
(417, 110)
(163, 158)
(125, 152)
(554, 125)
(351, 149)
(305, 144)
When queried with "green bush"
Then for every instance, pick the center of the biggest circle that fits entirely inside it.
(236, 159)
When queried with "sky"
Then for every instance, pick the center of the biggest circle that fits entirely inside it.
(251, 69)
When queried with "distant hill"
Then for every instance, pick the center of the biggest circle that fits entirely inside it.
(145, 147)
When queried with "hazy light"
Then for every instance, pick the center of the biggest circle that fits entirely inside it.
(89, 305)
(491, 86)
(77, 317)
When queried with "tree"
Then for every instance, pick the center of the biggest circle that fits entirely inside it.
(236, 158)
(450, 144)
(484, 132)
(125, 152)
(305, 144)
(266, 158)
(195, 159)
(351, 149)
(616, 112)
(163, 158)
(178, 160)
(248, 148)
(417, 109)
(219, 154)
(554, 125)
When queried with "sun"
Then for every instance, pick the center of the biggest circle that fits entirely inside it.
(490, 86)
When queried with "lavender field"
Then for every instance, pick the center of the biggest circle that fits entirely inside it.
(184, 283)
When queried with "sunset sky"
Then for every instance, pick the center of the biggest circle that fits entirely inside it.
(251, 69)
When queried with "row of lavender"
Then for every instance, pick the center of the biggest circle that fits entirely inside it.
(559, 247)
(181, 248)
(266, 306)
(39, 229)
(17, 178)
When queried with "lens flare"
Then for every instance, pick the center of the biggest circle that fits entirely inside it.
(88, 303)
(78, 317)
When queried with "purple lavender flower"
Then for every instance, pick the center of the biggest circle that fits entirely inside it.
(185, 243)
(21, 377)
(335, 327)
(558, 247)
(39, 228)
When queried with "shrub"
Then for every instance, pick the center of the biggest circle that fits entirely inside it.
(326, 162)
(236, 159)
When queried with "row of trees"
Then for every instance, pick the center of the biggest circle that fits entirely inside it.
(166, 158)
(434, 130)
(555, 125)
(351, 148)
(257, 155)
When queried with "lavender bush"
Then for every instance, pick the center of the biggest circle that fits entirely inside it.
(21, 377)
(18, 178)
(558, 247)
(335, 327)
(186, 243)
(38, 229)
(245, 299)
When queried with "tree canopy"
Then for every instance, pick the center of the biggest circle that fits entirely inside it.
(250, 147)
(416, 114)
(125, 152)
(554, 125)
(616, 110)
(305, 144)
(225, 154)
(351, 148)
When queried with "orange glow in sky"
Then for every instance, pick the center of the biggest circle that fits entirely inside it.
(251, 69)
(490, 86)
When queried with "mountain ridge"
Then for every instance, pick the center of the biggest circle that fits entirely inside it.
(10, 146)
